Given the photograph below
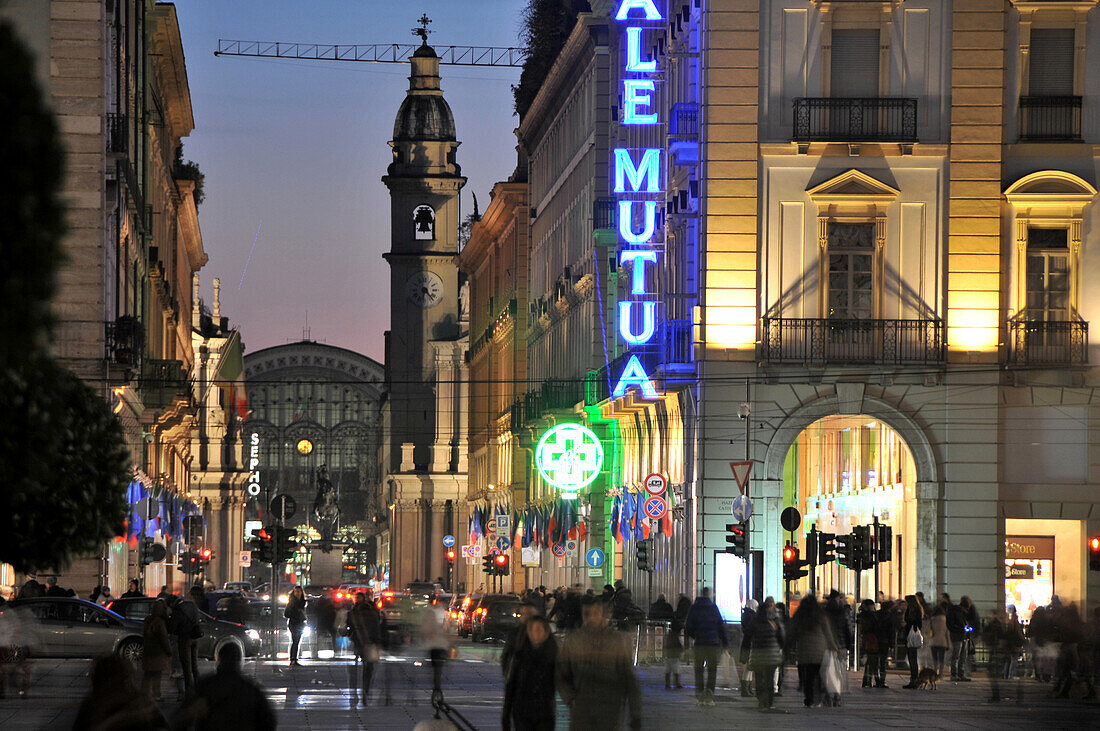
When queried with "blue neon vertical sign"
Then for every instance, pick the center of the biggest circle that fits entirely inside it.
(636, 181)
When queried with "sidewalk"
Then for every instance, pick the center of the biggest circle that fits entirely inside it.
(316, 696)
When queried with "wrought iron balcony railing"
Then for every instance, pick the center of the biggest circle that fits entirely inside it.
(683, 121)
(163, 382)
(1050, 118)
(852, 119)
(677, 346)
(1049, 343)
(116, 133)
(853, 341)
(124, 341)
(603, 214)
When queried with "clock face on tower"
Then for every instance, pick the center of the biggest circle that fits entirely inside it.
(424, 289)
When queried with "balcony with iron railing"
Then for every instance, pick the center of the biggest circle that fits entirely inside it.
(855, 119)
(1050, 118)
(163, 383)
(603, 214)
(683, 133)
(677, 345)
(117, 134)
(124, 340)
(1046, 343)
(815, 341)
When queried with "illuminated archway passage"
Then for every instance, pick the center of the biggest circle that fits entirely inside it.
(569, 457)
(844, 471)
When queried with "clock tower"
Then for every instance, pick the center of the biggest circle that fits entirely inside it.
(424, 439)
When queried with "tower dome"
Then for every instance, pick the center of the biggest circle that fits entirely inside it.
(424, 114)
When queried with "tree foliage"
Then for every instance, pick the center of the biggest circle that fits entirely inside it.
(546, 26)
(63, 457)
(63, 466)
(31, 215)
(189, 170)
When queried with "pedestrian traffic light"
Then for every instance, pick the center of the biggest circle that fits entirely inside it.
(263, 549)
(487, 565)
(792, 564)
(738, 539)
(1094, 553)
(845, 546)
(825, 548)
(642, 554)
(500, 565)
(884, 542)
(862, 550)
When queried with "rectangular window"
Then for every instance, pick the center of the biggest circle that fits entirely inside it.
(1051, 65)
(1047, 275)
(854, 63)
(851, 270)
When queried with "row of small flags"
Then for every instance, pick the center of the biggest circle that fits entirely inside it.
(547, 525)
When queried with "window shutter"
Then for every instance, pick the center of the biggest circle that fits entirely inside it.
(1051, 66)
(854, 63)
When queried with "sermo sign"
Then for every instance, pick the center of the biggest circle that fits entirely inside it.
(636, 181)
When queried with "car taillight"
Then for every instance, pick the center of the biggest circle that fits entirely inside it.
(379, 603)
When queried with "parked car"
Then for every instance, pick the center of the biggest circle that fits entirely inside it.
(242, 586)
(496, 616)
(466, 620)
(216, 633)
(347, 592)
(70, 627)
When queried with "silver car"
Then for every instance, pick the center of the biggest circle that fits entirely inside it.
(69, 627)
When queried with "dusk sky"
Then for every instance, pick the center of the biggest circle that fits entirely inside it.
(297, 149)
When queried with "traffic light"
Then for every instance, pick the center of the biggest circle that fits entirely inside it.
(450, 555)
(825, 548)
(738, 539)
(642, 554)
(862, 550)
(884, 542)
(811, 548)
(1094, 553)
(284, 544)
(205, 555)
(500, 565)
(189, 563)
(845, 548)
(487, 565)
(792, 564)
(151, 551)
(262, 546)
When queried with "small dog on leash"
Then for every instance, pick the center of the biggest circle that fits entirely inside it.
(927, 678)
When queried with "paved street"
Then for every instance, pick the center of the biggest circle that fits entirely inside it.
(315, 696)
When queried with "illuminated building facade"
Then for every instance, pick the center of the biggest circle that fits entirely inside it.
(313, 406)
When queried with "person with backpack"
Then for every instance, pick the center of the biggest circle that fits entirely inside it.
(186, 626)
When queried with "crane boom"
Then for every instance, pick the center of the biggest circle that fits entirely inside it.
(375, 53)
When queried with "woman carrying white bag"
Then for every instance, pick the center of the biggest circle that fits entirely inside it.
(914, 637)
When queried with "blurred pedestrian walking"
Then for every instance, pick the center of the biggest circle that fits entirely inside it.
(529, 684)
(364, 626)
(767, 653)
(706, 627)
(156, 651)
(813, 636)
(595, 674)
(115, 702)
(227, 699)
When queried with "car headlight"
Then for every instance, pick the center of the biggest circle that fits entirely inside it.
(283, 598)
(252, 635)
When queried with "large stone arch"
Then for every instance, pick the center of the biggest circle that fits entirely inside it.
(924, 457)
(927, 492)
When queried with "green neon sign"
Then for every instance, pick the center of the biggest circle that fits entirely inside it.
(569, 457)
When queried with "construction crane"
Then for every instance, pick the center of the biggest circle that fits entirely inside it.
(375, 53)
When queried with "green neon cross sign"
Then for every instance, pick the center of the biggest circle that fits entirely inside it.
(569, 456)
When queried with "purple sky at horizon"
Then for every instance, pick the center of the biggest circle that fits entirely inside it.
(296, 149)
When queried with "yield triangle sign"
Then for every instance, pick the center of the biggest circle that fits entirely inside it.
(741, 472)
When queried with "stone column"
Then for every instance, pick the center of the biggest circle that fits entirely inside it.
(927, 497)
(767, 534)
(434, 540)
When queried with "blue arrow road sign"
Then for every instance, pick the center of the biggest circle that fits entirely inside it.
(594, 557)
(448, 541)
(503, 543)
(742, 508)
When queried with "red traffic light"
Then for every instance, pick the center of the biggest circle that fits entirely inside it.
(1094, 543)
(207, 553)
(450, 554)
(790, 554)
(500, 559)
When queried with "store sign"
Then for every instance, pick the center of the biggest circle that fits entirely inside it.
(637, 183)
(1026, 573)
(569, 457)
(1029, 547)
(253, 486)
